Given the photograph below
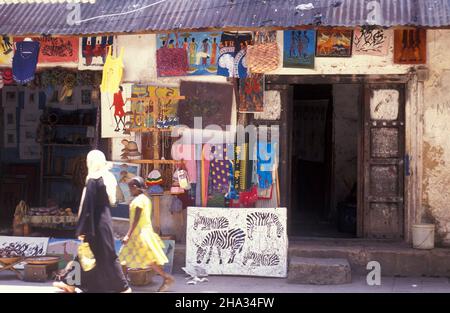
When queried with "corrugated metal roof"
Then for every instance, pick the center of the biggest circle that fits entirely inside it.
(119, 16)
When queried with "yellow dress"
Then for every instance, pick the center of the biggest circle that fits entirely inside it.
(112, 72)
(145, 247)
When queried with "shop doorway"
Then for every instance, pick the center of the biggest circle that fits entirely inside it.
(324, 160)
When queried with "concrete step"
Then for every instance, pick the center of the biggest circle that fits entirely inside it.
(319, 271)
(396, 259)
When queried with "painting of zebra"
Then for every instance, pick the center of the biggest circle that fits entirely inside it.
(260, 259)
(218, 241)
(232, 239)
(210, 223)
(261, 219)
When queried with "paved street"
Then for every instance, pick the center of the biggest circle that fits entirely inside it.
(218, 284)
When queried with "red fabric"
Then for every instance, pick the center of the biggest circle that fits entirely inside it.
(118, 104)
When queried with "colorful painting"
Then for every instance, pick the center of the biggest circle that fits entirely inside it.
(410, 46)
(299, 48)
(232, 54)
(251, 94)
(56, 49)
(211, 101)
(201, 50)
(93, 51)
(124, 172)
(371, 41)
(241, 241)
(6, 50)
(159, 95)
(334, 43)
(114, 109)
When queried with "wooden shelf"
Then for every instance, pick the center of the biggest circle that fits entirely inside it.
(64, 145)
(154, 161)
(156, 98)
(149, 130)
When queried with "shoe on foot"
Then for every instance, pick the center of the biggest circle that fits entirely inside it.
(166, 284)
(64, 287)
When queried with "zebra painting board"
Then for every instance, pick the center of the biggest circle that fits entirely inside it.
(238, 241)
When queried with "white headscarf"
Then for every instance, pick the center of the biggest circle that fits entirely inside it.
(98, 167)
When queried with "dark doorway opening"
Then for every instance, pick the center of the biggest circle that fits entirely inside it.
(325, 160)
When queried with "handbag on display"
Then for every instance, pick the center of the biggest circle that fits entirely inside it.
(263, 56)
(181, 178)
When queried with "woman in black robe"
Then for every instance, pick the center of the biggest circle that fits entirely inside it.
(95, 228)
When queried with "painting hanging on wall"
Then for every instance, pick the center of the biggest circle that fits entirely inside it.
(410, 46)
(299, 48)
(6, 50)
(212, 102)
(334, 43)
(56, 49)
(241, 241)
(124, 172)
(114, 109)
(232, 54)
(199, 50)
(163, 96)
(272, 106)
(251, 94)
(93, 51)
(371, 41)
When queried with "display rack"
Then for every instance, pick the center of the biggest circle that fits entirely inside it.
(156, 162)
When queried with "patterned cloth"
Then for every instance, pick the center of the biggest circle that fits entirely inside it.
(219, 170)
(265, 164)
(145, 247)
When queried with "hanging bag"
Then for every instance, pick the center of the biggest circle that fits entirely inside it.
(263, 56)
(86, 257)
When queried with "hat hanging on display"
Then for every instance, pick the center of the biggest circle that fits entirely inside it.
(154, 178)
(7, 76)
(132, 149)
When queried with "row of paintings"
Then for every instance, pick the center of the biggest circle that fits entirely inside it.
(302, 46)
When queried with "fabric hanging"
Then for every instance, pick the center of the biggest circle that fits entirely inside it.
(219, 169)
(265, 164)
(205, 166)
(232, 55)
(112, 72)
(25, 61)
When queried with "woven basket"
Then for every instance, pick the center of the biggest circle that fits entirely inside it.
(140, 277)
(263, 57)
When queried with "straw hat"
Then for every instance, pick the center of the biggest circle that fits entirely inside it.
(132, 149)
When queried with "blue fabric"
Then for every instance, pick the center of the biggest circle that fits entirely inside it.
(265, 165)
(25, 61)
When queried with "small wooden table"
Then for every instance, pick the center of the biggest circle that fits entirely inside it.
(9, 263)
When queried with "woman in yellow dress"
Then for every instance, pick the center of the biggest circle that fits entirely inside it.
(142, 247)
